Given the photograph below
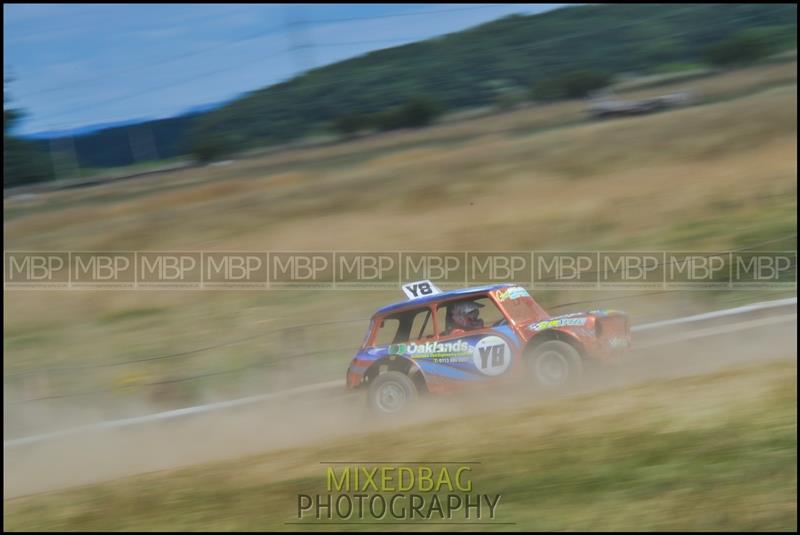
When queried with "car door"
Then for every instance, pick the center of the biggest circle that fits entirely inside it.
(463, 358)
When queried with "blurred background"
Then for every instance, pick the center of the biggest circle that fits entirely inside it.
(435, 127)
(92, 91)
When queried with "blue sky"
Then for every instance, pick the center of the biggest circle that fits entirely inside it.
(83, 64)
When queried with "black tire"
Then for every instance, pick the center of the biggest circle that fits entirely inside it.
(391, 393)
(554, 365)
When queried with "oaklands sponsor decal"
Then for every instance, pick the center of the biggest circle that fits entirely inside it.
(431, 348)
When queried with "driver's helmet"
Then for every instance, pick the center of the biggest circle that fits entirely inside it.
(466, 315)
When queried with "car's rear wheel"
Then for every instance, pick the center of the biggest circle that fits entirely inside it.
(391, 393)
(554, 365)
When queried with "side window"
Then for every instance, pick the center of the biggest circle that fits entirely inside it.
(387, 330)
(488, 315)
(401, 327)
(422, 327)
(443, 318)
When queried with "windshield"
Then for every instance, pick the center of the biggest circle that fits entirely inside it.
(519, 305)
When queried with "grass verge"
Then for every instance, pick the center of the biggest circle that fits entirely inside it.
(711, 452)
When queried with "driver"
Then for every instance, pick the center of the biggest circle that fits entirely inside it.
(465, 317)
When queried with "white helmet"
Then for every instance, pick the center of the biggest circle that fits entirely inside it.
(466, 315)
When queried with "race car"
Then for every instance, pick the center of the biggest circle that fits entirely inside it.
(437, 342)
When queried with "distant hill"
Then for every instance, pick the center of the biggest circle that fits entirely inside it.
(127, 144)
(81, 130)
(94, 128)
(458, 70)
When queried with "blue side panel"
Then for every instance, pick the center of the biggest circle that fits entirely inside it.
(472, 357)
(446, 371)
(508, 332)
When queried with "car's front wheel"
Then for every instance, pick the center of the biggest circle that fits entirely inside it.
(554, 365)
(391, 392)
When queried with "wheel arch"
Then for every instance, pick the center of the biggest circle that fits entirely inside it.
(558, 335)
(400, 364)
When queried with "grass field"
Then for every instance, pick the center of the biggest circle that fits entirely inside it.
(715, 176)
(711, 452)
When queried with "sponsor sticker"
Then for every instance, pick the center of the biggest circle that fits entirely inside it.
(512, 293)
(604, 312)
(491, 355)
(431, 349)
(563, 322)
(618, 342)
(415, 290)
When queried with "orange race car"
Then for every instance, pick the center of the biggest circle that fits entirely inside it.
(445, 341)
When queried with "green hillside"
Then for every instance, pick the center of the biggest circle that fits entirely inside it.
(465, 69)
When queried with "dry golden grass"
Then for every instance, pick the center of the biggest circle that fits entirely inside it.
(701, 177)
(713, 452)
(343, 155)
(718, 85)
(551, 183)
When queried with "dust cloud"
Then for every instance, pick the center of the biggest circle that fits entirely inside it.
(324, 416)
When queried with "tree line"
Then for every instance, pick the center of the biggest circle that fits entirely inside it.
(562, 54)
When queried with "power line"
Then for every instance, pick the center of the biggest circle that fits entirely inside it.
(250, 37)
(301, 51)
(205, 74)
(166, 112)
(533, 47)
(274, 29)
(386, 41)
(164, 86)
(409, 14)
(185, 55)
(94, 11)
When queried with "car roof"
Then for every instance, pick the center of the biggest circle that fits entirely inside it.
(440, 296)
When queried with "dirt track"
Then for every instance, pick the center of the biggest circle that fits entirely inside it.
(102, 455)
